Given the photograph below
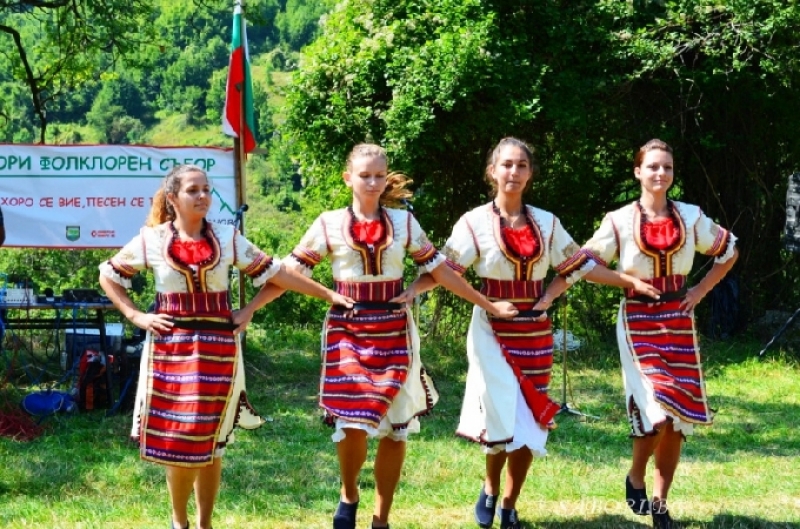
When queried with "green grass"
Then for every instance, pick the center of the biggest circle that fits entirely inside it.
(740, 473)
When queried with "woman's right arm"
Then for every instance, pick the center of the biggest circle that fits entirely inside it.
(423, 283)
(153, 323)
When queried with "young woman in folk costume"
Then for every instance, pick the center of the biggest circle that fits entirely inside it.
(512, 246)
(191, 390)
(655, 239)
(373, 382)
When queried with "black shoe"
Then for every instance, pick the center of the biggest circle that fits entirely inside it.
(509, 519)
(636, 498)
(484, 509)
(662, 519)
(345, 516)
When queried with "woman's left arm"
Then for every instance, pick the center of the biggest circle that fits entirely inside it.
(445, 276)
(287, 279)
(696, 294)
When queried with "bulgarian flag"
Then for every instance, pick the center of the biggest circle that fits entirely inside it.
(239, 91)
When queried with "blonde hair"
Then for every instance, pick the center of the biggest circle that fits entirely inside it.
(492, 159)
(396, 193)
(162, 211)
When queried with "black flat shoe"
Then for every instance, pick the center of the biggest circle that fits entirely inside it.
(509, 519)
(484, 509)
(345, 516)
(662, 520)
(636, 498)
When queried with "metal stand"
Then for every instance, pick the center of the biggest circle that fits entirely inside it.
(780, 332)
(565, 406)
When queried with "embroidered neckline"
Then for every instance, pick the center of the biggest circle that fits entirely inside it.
(371, 257)
(194, 268)
(504, 224)
(643, 219)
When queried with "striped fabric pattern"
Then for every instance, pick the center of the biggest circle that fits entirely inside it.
(721, 243)
(366, 363)
(670, 283)
(662, 340)
(576, 262)
(425, 254)
(369, 290)
(511, 291)
(190, 379)
(527, 346)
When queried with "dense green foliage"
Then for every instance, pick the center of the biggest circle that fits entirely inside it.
(439, 82)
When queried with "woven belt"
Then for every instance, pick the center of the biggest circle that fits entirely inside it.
(204, 325)
(530, 313)
(372, 305)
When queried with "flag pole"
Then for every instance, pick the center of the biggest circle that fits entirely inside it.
(241, 160)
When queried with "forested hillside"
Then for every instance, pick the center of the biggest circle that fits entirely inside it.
(154, 76)
(438, 82)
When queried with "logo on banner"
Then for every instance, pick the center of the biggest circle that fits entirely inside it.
(223, 205)
(73, 233)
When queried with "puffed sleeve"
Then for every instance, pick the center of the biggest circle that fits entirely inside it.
(604, 244)
(254, 263)
(567, 258)
(421, 250)
(713, 240)
(126, 263)
(311, 249)
(461, 249)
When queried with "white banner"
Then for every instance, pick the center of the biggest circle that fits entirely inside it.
(97, 196)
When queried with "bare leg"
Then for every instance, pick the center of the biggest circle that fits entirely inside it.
(180, 482)
(667, 456)
(206, 487)
(519, 462)
(494, 469)
(643, 448)
(352, 452)
(388, 466)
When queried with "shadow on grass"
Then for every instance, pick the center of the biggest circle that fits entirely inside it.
(720, 521)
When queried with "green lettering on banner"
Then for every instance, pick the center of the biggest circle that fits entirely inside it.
(9, 162)
(97, 162)
(107, 163)
(58, 163)
(210, 163)
(149, 163)
(165, 164)
(44, 163)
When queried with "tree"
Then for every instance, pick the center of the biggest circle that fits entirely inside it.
(58, 45)
(297, 23)
(438, 82)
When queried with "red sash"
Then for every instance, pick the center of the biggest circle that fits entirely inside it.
(527, 346)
